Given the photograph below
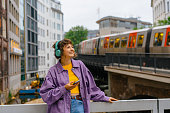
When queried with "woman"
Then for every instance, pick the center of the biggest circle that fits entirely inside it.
(59, 90)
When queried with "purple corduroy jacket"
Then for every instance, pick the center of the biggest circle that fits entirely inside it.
(58, 97)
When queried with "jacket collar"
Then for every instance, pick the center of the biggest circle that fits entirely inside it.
(60, 67)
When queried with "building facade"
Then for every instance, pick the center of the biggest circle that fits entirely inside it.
(29, 59)
(14, 47)
(50, 29)
(22, 42)
(111, 24)
(4, 81)
(161, 10)
(92, 34)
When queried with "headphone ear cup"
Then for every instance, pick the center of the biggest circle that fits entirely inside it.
(58, 53)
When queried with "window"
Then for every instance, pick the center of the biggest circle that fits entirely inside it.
(58, 37)
(10, 6)
(3, 27)
(168, 6)
(111, 43)
(36, 50)
(35, 15)
(29, 49)
(117, 42)
(32, 12)
(47, 44)
(32, 35)
(124, 42)
(33, 50)
(17, 32)
(35, 37)
(5, 60)
(158, 39)
(58, 27)
(29, 1)
(29, 36)
(22, 77)
(101, 43)
(48, 56)
(134, 40)
(28, 10)
(140, 40)
(32, 24)
(168, 39)
(106, 42)
(47, 32)
(58, 16)
(3, 3)
(35, 27)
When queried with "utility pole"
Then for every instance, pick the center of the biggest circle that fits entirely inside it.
(98, 12)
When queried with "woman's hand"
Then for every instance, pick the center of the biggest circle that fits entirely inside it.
(111, 99)
(70, 85)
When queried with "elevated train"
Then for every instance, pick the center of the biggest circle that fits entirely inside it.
(154, 41)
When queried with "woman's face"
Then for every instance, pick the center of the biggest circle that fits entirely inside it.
(68, 50)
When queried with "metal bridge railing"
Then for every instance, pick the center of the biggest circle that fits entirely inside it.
(153, 105)
(157, 62)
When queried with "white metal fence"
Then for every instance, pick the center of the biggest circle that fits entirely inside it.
(154, 105)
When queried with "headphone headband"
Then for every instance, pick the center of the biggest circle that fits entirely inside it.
(56, 45)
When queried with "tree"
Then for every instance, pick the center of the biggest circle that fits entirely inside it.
(77, 34)
(164, 22)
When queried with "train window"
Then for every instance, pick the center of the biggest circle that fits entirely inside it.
(168, 39)
(158, 39)
(140, 40)
(101, 43)
(134, 40)
(117, 42)
(130, 40)
(124, 42)
(111, 43)
(106, 42)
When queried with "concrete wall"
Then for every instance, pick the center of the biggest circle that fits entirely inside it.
(125, 87)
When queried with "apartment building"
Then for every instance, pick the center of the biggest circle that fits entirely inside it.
(50, 29)
(111, 24)
(4, 86)
(29, 40)
(14, 46)
(161, 10)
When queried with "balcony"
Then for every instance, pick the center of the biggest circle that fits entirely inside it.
(153, 105)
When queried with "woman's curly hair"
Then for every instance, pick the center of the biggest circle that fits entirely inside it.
(61, 45)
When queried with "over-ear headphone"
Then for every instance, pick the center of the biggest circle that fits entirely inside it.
(57, 50)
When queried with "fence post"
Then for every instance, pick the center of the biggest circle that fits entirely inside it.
(155, 64)
(140, 62)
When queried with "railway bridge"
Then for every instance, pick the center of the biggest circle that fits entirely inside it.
(130, 76)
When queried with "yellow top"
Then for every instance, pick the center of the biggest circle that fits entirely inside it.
(72, 77)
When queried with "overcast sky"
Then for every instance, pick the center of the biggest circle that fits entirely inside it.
(85, 12)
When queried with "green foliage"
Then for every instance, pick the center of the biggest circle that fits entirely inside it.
(10, 95)
(135, 28)
(164, 22)
(77, 34)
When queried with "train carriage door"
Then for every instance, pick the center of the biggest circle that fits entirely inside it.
(106, 43)
(167, 38)
(94, 47)
(132, 40)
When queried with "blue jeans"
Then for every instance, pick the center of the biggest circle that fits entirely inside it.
(76, 106)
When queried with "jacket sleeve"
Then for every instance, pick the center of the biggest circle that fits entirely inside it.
(95, 93)
(49, 92)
